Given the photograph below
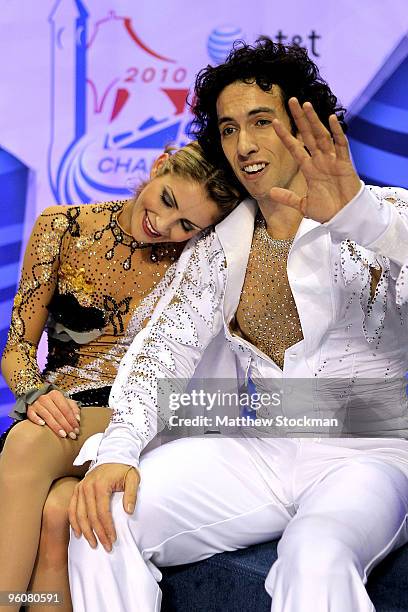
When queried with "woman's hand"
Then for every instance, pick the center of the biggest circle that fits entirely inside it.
(89, 510)
(58, 412)
(331, 179)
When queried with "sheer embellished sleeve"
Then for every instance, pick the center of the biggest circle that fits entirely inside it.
(183, 324)
(29, 314)
(373, 232)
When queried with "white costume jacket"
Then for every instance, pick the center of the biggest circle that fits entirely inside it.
(345, 333)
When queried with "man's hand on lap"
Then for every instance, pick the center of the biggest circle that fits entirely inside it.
(89, 510)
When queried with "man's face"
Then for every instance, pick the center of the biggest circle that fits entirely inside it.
(249, 141)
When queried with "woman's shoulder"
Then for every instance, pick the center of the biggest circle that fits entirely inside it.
(57, 216)
(80, 215)
(97, 208)
(83, 210)
(100, 214)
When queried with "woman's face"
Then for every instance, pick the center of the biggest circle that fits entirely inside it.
(171, 209)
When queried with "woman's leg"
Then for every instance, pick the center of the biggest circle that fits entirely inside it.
(51, 566)
(32, 458)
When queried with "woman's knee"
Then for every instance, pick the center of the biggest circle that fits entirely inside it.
(25, 437)
(29, 453)
(55, 521)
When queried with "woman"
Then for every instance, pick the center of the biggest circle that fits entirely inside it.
(92, 275)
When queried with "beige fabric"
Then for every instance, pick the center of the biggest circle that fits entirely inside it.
(267, 315)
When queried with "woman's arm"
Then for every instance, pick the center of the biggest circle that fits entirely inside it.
(37, 284)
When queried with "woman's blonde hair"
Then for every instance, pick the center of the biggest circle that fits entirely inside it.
(189, 162)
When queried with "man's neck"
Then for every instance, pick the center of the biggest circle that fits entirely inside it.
(282, 221)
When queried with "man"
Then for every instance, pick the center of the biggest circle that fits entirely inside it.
(310, 287)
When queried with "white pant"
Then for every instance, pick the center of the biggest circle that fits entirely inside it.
(340, 510)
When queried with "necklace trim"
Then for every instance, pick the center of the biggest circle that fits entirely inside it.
(121, 237)
(157, 253)
(276, 244)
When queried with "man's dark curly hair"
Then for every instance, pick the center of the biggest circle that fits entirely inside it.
(266, 63)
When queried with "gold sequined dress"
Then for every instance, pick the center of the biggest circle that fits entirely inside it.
(92, 287)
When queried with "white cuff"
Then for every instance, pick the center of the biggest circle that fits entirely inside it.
(119, 444)
(364, 219)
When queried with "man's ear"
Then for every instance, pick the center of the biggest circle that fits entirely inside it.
(157, 164)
